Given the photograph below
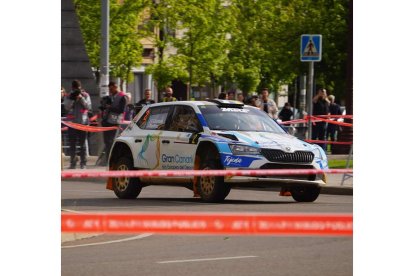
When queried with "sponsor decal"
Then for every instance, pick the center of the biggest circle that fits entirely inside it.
(142, 154)
(227, 109)
(237, 161)
(177, 162)
(232, 160)
(176, 159)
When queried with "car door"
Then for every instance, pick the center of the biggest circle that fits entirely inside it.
(178, 146)
(148, 141)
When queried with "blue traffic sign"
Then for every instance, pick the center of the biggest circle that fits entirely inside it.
(310, 47)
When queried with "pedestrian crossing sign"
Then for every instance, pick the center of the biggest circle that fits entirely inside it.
(310, 47)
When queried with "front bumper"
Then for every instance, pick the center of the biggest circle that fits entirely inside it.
(248, 181)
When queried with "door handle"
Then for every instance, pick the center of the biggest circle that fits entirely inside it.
(165, 141)
(138, 140)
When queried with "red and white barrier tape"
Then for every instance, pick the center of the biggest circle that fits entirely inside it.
(316, 119)
(172, 173)
(210, 223)
(337, 116)
(328, 142)
(87, 127)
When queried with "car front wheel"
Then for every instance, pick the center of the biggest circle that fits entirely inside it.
(212, 188)
(305, 193)
(126, 187)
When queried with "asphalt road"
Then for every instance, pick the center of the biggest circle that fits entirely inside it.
(147, 254)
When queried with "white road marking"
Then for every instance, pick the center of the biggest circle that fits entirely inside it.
(207, 259)
(72, 211)
(108, 242)
(83, 191)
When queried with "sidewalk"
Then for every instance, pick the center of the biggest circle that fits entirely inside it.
(333, 186)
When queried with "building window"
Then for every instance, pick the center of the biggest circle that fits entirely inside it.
(148, 53)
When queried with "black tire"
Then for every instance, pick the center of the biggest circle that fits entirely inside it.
(212, 188)
(126, 187)
(305, 193)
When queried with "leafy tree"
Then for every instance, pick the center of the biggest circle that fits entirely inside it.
(125, 48)
(202, 44)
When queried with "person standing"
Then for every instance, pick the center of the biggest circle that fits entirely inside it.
(240, 97)
(113, 115)
(147, 98)
(223, 96)
(62, 104)
(268, 105)
(320, 107)
(129, 109)
(169, 95)
(77, 105)
(286, 113)
(231, 95)
(334, 109)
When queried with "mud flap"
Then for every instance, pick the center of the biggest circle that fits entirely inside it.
(109, 183)
(284, 192)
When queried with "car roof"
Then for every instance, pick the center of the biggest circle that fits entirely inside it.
(192, 103)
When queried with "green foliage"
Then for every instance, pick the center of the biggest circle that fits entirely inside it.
(243, 43)
(165, 72)
(125, 48)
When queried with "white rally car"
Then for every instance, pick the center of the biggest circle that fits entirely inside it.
(213, 134)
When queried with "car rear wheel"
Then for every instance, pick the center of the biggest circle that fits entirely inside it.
(212, 188)
(305, 193)
(126, 187)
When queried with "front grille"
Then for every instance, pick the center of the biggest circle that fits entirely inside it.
(287, 157)
(310, 177)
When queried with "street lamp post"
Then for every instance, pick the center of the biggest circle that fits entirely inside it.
(104, 54)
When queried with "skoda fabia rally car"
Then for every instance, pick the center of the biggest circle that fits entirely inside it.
(211, 135)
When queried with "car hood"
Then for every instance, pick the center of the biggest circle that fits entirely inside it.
(283, 141)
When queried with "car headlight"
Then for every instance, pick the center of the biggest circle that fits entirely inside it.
(319, 153)
(244, 150)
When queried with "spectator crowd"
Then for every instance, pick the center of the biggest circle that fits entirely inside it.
(117, 107)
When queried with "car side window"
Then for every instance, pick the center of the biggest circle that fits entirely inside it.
(154, 118)
(184, 120)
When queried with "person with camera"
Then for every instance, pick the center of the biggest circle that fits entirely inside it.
(267, 104)
(77, 104)
(320, 107)
(113, 114)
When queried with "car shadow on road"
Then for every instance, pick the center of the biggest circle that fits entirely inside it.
(157, 201)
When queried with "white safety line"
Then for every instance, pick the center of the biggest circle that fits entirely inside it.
(108, 242)
(207, 259)
(72, 211)
(83, 191)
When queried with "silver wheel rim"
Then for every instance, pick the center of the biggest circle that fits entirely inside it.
(207, 183)
(122, 182)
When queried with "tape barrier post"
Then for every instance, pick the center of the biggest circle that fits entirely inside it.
(172, 173)
(210, 224)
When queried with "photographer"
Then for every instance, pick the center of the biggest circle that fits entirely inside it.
(77, 104)
(320, 107)
(113, 114)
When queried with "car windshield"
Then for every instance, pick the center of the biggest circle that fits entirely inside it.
(238, 119)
